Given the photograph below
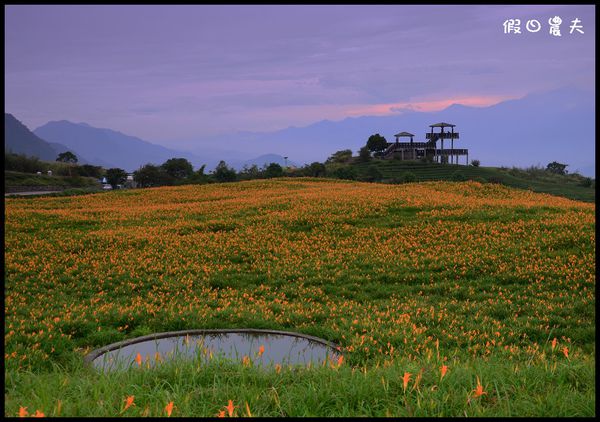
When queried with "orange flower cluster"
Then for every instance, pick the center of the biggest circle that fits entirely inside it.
(384, 270)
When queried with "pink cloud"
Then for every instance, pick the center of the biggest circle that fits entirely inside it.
(425, 105)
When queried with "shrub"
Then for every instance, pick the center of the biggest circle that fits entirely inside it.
(345, 172)
(273, 170)
(408, 177)
(364, 154)
(374, 174)
(458, 176)
(475, 163)
(586, 182)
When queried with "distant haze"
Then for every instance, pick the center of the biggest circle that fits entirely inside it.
(217, 78)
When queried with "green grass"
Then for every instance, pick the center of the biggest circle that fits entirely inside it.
(555, 388)
(538, 181)
(14, 178)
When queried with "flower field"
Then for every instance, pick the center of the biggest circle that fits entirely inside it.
(447, 298)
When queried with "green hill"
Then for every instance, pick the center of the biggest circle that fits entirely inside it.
(537, 180)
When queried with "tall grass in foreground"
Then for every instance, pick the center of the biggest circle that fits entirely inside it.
(559, 387)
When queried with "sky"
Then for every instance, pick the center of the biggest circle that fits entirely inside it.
(176, 74)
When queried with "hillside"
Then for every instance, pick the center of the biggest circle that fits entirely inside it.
(566, 186)
(108, 148)
(19, 139)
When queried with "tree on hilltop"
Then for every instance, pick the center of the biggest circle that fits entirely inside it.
(67, 157)
(178, 168)
(556, 168)
(376, 143)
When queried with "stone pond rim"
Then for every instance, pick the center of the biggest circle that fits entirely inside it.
(90, 357)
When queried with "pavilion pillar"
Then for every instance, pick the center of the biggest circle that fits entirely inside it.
(442, 149)
(434, 147)
(452, 145)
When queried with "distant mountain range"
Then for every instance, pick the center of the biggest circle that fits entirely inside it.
(535, 130)
(19, 139)
(107, 147)
(540, 128)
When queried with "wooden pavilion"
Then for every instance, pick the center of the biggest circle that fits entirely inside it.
(428, 150)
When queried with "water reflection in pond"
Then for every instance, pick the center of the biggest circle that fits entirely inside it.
(260, 349)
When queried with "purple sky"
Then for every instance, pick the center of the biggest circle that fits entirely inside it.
(172, 74)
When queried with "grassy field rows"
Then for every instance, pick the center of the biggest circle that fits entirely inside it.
(495, 284)
(391, 169)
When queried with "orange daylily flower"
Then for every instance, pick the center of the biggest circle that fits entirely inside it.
(221, 414)
(554, 343)
(38, 414)
(565, 351)
(261, 350)
(128, 402)
(230, 407)
(340, 360)
(479, 389)
(23, 412)
(138, 359)
(443, 371)
(405, 379)
(169, 408)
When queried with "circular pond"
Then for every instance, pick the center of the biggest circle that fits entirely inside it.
(261, 347)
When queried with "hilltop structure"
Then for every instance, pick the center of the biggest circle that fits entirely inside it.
(427, 150)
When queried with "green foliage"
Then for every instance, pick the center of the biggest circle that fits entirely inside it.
(178, 168)
(67, 157)
(250, 172)
(273, 170)
(22, 163)
(344, 172)
(364, 154)
(151, 175)
(88, 170)
(586, 182)
(475, 163)
(315, 169)
(409, 177)
(342, 156)
(116, 176)
(376, 143)
(223, 173)
(458, 176)
(556, 168)
(373, 174)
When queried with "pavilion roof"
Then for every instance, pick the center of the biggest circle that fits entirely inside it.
(442, 125)
(404, 134)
